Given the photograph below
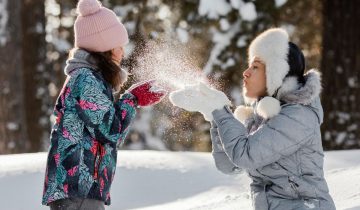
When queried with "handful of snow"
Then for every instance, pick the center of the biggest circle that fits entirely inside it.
(199, 98)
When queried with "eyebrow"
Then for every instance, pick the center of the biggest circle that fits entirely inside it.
(257, 62)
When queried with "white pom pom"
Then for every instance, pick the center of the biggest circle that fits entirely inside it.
(242, 113)
(88, 7)
(268, 107)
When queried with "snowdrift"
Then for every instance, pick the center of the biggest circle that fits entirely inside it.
(151, 180)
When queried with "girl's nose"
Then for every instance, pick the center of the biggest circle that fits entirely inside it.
(246, 73)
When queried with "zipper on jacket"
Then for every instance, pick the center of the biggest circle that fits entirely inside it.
(294, 186)
(97, 163)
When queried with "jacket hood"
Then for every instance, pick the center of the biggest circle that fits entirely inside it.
(291, 92)
(308, 94)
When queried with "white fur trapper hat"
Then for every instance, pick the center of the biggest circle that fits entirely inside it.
(272, 48)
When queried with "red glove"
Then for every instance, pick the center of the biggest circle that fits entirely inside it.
(147, 93)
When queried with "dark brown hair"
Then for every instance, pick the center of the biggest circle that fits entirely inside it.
(109, 70)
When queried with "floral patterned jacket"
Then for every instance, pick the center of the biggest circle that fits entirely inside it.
(89, 125)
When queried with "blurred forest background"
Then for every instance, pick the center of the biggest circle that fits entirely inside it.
(35, 36)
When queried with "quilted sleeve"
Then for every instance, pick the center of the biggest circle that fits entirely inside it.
(280, 136)
(222, 161)
(106, 121)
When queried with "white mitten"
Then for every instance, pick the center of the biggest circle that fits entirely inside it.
(199, 98)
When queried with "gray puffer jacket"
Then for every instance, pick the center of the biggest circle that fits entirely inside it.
(283, 155)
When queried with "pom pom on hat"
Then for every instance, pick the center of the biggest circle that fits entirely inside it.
(268, 107)
(242, 113)
(88, 7)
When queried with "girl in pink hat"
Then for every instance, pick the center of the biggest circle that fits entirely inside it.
(90, 123)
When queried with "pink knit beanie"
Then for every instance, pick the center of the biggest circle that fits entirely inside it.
(97, 28)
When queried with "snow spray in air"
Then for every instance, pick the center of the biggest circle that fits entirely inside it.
(174, 67)
(168, 63)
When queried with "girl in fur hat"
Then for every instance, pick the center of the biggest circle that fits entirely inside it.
(276, 138)
(90, 122)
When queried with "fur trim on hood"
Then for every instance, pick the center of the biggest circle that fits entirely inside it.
(291, 92)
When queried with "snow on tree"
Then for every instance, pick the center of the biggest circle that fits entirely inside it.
(4, 17)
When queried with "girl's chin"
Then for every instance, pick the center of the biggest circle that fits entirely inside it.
(249, 95)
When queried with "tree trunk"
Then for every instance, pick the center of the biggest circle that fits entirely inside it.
(12, 118)
(23, 89)
(341, 74)
(35, 84)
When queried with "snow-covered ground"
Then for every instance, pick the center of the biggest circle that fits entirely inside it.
(151, 180)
